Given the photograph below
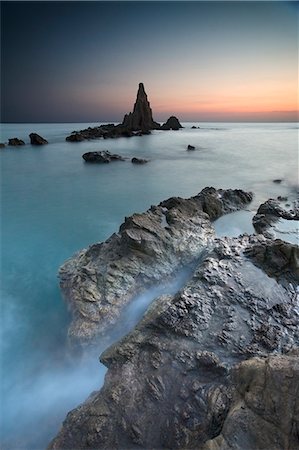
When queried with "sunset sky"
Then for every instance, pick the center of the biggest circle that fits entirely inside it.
(214, 61)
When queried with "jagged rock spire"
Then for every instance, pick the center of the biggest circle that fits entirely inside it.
(141, 118)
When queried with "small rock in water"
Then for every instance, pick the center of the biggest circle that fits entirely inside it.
(190, 147)
(282, 199)
(2, 145)
(139, 161)
(171, 124)
(101, 157)
(15, 142)
(36, 139)
(277, 181)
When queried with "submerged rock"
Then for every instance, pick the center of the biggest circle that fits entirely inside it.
(171, 124)
(264, 411)
(36, 139)
(139, 161)
(141, 118)
(15, 142)
(2, 145)
(180, 379)
(190, 147)
(101, 157)
(99, 281)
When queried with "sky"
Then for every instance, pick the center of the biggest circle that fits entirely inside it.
(213, 61)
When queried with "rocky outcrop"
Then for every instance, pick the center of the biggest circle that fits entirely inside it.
(139, 161)
(190, 147)
(15, 142)
(264, 412)
(269, 213)
(36, 139)
(180, 379)
(141, 118)
(102, 157)
(171, 124)
(149, 248)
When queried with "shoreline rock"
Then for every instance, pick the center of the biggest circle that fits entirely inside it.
(171, 124)
(139, 161)
(101, 157)
(99, 281)
(214, 355)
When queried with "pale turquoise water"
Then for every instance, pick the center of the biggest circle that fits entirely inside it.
(52, 204)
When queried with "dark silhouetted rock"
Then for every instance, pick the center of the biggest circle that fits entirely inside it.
(15, 142)
(2, 145)
(141, 118)
(101, 157)
(139, 161)
(278, 181)
(190, 147)
(194, 127)
(36, 139)
(171, 124)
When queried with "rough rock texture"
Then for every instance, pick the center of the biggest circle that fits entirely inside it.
(171, 124)
(169, 382)
(36, 139)
(265, 411)
(101, 157)
(15, 142)
(270, 212)
(139, 161)
(141, 118)
(97, 282)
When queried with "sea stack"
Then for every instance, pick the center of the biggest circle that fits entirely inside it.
(141, 118)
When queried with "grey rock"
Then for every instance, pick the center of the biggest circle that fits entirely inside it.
(99, 281)
(264, 411)
(176, 380)
(171, 124)
(15, 142)
(270, 212)
(36, 139)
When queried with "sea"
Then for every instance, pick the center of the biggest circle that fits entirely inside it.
(54, 204)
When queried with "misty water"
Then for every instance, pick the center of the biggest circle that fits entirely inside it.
(53, 204)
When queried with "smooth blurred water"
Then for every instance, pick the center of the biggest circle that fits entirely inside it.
(53, 204)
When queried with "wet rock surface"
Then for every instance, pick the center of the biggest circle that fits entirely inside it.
(36, 139)
(101, 157)
(15, 142)
(270, 212)
(196, 371)
(99, 281)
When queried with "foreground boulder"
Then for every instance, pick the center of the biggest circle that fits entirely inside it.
(149, 248)
(180, 379)
(15, 142)
(36, 139)
(264, 411)
(141, 118)
(171, 124)
(103, 157)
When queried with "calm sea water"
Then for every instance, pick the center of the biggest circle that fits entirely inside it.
(53, 204)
